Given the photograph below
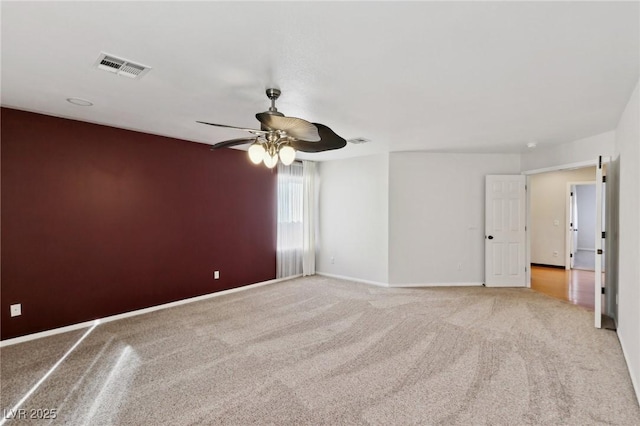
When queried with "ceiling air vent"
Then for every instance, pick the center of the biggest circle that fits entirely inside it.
(358, 140)
(121, 66)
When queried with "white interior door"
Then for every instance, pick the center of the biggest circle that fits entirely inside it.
(573, 226)
(505, 231)
(599, 282)
(610, 199)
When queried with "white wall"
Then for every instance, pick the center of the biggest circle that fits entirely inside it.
(582, 150)
(628, 149)
(354, 218)
(548, 198)
(586, 216)
(386, 218)
(436, 215)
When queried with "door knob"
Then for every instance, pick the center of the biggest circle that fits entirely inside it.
(490, 237)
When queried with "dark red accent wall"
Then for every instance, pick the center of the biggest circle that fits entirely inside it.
(98, 221)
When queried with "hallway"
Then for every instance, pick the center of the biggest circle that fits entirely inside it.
(585, 260)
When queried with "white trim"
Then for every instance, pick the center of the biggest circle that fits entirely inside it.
(474, 284)
(358, 280)
(85, 324)
(634, 382)
(586, 249)
(47, 333)
(578, 165)
(379, 284)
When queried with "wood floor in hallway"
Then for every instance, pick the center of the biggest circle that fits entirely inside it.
(575, 286)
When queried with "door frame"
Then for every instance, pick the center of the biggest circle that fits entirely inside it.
(568, 235)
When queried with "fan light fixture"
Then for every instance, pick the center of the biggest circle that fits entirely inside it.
(268, 152)
(287, 154)
(280, 137)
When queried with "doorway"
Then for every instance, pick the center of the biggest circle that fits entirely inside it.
(548, 237)
(549, 211)
(581, 226)
(558, 209)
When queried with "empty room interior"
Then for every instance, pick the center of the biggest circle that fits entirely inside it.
(320, 213)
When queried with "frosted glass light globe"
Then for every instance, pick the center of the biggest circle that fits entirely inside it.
(256, 153)
(287, 155)
(270, 160)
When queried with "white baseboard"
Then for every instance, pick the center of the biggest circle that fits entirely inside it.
(474, 284)
(634, 378)
(358, 280)
(86, 324)
(379, 284)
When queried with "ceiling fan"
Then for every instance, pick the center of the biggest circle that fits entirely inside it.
(279, 137)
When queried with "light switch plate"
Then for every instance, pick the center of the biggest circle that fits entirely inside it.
(16, 310)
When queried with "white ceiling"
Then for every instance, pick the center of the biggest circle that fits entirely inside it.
(439, 76)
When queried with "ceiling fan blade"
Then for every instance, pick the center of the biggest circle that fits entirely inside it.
(297, 128)
(328, 141)
(232, 142)
(254, 131)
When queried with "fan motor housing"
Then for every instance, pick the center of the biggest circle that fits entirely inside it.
(274, 112)
(273, 94)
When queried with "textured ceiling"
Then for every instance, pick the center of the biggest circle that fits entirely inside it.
(439, 76)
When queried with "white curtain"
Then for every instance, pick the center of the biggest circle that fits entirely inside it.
(290, 232)
(309, 218)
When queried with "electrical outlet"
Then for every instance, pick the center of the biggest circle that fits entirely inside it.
(16, 310)
(333, 260)
(216, 275)
(459, 266)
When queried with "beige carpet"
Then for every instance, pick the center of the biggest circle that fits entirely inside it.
(326, 352)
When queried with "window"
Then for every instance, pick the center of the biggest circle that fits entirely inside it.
(290, 233)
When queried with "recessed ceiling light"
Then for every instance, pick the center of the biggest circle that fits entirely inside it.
(79, 102)
(358, 140)
(532, 145)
